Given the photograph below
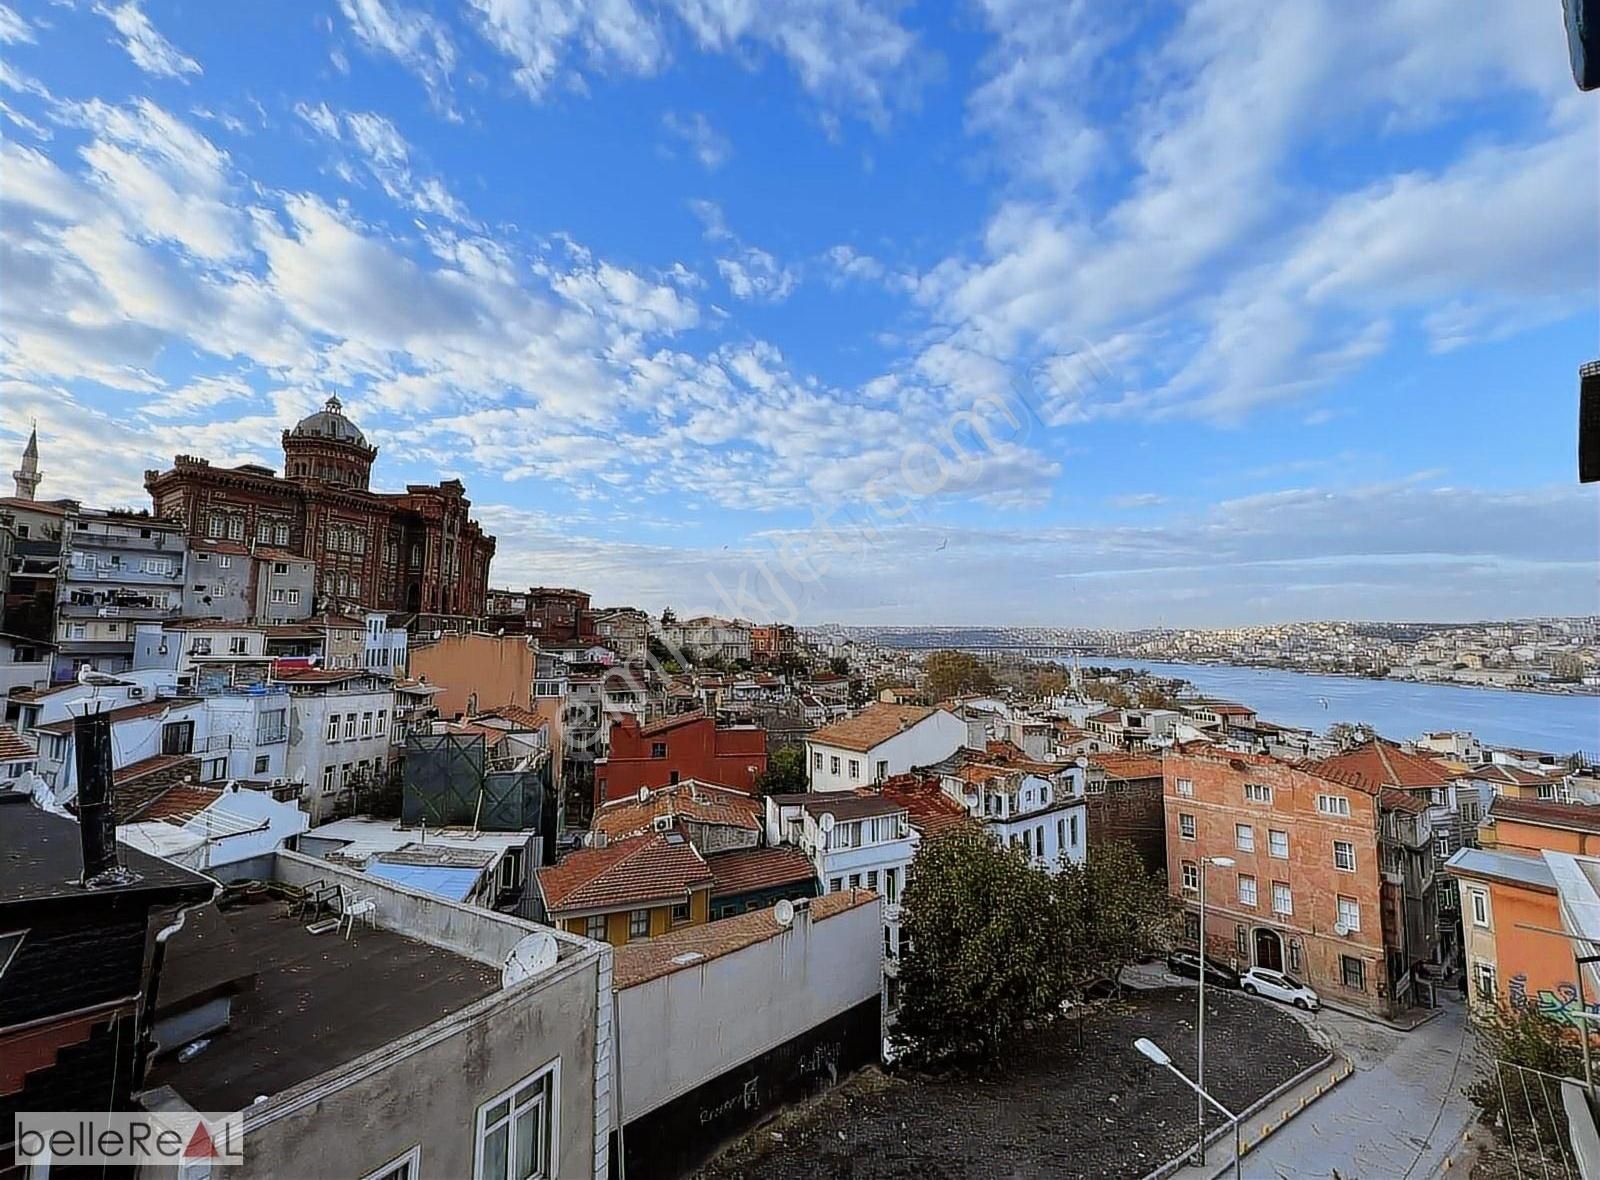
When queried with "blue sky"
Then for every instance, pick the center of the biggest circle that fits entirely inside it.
(1009, 311)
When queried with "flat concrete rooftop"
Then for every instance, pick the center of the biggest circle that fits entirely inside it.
(317, 1001)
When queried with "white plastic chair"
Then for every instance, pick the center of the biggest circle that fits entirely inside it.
(359, 907)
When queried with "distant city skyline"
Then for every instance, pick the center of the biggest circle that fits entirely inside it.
(1032, 313)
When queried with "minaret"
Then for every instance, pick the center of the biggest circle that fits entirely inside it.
(29, 476)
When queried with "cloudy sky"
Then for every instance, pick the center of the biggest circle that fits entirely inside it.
(1024, 311)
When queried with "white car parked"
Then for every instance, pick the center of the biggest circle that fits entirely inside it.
(1275, 985)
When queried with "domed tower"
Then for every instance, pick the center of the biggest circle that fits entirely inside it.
(326, 446)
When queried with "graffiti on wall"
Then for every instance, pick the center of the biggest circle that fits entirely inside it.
(1559, 1004)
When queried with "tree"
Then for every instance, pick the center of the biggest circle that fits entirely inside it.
(1109, 692)
(1050, 683)
(839, 666)
(951, 673)
(668, 616)
(1117, 912)
(1153, 696)
(1523, 1036)
(982, 937)
(785, 773)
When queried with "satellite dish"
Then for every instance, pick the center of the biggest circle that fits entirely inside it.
(533, 955)
(1340, 929)
(1082, 763)
(826, 822)
(644, 795)
(783, 912)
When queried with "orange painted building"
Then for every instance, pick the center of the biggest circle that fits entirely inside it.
(1305, 894)
(1509, 905)
(476, 672)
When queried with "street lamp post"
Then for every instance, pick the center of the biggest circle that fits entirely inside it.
(1222, 862)
(1154, 1052)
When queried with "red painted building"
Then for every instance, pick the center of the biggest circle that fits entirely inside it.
(677, 748)
(413, 551)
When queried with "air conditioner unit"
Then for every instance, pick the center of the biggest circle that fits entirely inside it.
(661, 823)
(135, 693)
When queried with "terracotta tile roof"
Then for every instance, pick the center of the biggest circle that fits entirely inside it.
(694, 801)
(639, 871)
(1012, 755)
(672, 722)
(317, 675)
(1126, 766)
(929, 809)
(29, 695)
(1576, 817)
(1493, 772)
(517, 715)
(127, 775)
(1107, 716)
(1378, 763)
(640, 962)
(872, 726)
(745, 870)
(126, 713)
(13, 748)
(1226, 708)
(1394, 799)
(178, 802)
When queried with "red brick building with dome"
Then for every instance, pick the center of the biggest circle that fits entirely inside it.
(417, 551)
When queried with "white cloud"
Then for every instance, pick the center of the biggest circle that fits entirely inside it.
(705, 142)
(167, 179)
(13, 28)
(413, 37)
(851, 55)
(541, 35)
(387, 157)
(756, 275)
(150, 51)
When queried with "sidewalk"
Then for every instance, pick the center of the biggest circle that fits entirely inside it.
(1262, 1120)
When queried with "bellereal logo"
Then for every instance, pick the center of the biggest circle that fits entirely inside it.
(130, 1138)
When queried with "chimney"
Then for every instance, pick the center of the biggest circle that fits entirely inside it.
(97, 826)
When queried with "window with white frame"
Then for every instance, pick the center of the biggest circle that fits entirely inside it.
(816, 762)
(1257, 793)
(1191, 877)
(1282, 899)
(1186, 787)
(1244, 837)
(855, 768)
(639, 924)
(333, 727)
(1333, 805)
(1485, 977)
(833, 765)
(366, 724)
(405, 1167)
(1349, 913)
(1480, 908)
(517, 1130)
(349, 727)
(1247, 890)
(327, 780)
(1185, 826)
(1344, 856)
(380, 724)
(594, 926)
(1278, 844)
(1441, 844)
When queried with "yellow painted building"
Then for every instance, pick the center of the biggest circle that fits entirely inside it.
(626, 890)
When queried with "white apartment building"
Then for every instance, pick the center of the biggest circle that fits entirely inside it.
(1044, 814)
(339, 723)
(188, 645)
(879, 742)
(855, 842)
(117, 569)
(708, 636)
(384, 648)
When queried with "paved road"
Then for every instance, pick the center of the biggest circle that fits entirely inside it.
(1397, 1118)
